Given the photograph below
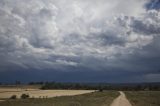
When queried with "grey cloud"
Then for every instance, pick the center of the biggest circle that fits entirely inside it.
(149, 25)
(52, 35)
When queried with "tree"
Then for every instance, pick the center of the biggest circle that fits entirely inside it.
(13, 97)
(24, 96)
(18, 82)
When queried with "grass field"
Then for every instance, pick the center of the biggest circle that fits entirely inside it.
(91, 99)
(144, 98)
(6, 93)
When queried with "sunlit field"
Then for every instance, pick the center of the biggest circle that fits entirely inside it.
(104, 98)
(6, 93)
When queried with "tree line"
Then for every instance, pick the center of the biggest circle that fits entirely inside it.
(94, 86)
(101, 86)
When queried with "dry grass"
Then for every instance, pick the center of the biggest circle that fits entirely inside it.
(37, 93)
(104, 98)
(144, 98)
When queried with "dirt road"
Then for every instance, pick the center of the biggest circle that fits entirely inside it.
(121, 100)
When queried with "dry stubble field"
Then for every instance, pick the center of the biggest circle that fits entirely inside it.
(7, 92)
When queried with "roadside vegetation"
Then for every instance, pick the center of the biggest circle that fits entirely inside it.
(103, 98)
(144, 98)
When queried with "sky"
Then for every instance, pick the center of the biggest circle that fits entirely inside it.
(80, 40)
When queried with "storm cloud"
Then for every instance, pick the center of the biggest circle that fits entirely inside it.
(105, 37)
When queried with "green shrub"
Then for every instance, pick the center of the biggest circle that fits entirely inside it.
(100, 90)
(24, 96)
(13, 97)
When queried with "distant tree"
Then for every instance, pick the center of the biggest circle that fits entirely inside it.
(156, 87)
(139, 87)
(100, 90)
(41, 83)
(101, 87)
(31, 83)
(13, 97)
(24, 96)
(18, 82)
(36, 83)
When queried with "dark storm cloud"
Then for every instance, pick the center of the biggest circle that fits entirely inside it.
(109, 38)
(153, 4)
